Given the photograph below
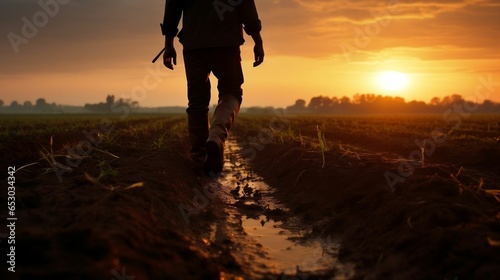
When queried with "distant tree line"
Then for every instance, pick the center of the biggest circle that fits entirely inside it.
(112, 105)
(359, 104)
(41, 106)
(377, 104)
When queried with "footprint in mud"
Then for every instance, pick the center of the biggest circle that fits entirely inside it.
(263, 238)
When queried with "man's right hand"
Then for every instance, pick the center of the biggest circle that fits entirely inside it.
(258, 49)
(170, 55)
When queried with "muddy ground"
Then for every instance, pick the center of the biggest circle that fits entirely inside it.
(178, 225)
(431, 225)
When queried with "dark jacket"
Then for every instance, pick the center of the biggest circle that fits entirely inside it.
(210, 23)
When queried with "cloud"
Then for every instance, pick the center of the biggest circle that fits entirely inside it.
(86, 35)
(466, 29)
(83, 35)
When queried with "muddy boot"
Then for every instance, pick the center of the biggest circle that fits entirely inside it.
(198, 135)
(223, 118)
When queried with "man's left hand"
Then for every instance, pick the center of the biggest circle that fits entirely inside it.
(170, 55)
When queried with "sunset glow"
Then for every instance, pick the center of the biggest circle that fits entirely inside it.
(392, 81)
(86, 50)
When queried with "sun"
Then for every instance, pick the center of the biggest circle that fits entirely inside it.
(392, 81)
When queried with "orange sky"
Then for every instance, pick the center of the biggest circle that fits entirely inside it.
(87, 49)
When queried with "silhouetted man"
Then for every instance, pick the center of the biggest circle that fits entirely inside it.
(212, 32)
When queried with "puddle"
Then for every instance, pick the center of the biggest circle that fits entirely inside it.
(264, 238)
(290, 256)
